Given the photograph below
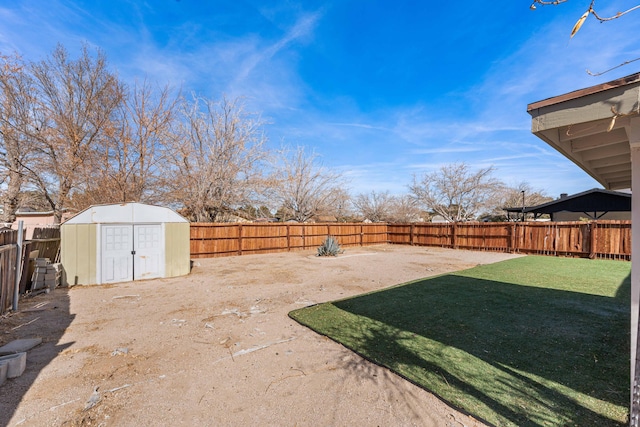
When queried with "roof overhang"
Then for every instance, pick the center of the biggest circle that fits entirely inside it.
(594, 200)
(591, 127)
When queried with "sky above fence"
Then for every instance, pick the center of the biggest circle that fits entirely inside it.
(380, 90)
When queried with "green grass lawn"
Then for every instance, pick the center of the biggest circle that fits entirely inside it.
(530, 341)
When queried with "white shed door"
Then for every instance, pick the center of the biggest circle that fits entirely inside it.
(148, 251)
(131, 252)
(117, 243)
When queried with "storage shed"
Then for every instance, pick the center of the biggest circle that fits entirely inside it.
(124, 242)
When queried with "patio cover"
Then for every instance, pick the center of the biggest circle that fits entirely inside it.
(593, 203)
(598, 128)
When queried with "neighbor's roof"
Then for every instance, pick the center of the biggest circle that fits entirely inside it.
(591, 127)
(594, 200)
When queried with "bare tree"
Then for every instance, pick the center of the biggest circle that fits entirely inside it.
(404, 208)
(16, 109)
(515, 197)
(342, 208)
(216, 158)
(456, 192)
(76, 102)
(305, 188)
(127, 166)
(376, 207)
(383, 207)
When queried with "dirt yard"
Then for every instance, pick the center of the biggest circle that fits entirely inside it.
(217, 347)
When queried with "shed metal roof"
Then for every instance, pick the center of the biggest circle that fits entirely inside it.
(125, 213)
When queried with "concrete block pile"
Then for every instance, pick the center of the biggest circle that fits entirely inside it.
(45, 274)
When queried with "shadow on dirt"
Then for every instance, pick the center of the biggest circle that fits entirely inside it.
(46, 316)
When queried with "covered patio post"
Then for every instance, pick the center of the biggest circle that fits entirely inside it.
(633, 132)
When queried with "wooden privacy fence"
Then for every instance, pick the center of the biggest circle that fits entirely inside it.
(8, 260)
(46, 241)
(596, 239)
(214, 239)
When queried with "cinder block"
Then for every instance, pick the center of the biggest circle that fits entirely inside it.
(19, 346)
(4, 367)
(16, 364)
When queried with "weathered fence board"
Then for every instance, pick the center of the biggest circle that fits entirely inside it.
(46, 241)
(8, 237)
(8, 258)
(611, 239)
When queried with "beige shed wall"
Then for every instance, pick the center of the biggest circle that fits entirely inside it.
(177, 249)
(78, 254)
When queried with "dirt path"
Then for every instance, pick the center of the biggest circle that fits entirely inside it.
(217, 347)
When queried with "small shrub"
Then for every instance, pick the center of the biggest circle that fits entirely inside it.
(329, 247)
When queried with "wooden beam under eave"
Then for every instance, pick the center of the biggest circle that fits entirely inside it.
(583, 130)
(606, 152)
(616, 136)
(619, 185)
(614, 176)
(610, 161)
(615, 168)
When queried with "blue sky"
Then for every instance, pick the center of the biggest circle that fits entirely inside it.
(380, 90)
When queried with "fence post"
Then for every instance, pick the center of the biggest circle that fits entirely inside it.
(454, 229)
(593, 241)
(239, 239)
(304, 236)
(361, 235)
(288, 238)
(412, 232)
(16, 291)
(513, 240)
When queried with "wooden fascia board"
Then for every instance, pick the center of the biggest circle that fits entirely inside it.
(597, 106)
